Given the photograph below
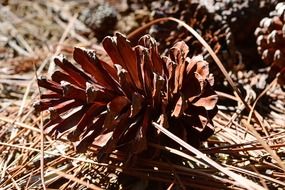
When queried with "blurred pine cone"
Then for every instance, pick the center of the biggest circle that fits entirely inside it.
(243, 16)
(271, 42)
(113, 104)
(209, 25)
(101, 19)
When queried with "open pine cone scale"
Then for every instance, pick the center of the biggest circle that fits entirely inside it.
(112, 105)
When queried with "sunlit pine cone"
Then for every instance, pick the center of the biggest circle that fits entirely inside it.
(243, 16)
(208, 24)
(113, 104)
(271, 42)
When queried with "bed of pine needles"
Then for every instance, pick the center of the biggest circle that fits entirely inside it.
(249, 138)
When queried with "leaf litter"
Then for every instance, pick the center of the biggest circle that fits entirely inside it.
(247, 144)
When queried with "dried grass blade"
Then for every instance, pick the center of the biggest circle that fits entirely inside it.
(264, 144)
(257, 175)
(42, 154)
(241, 181)
(73, 178)
(273, 83)
(7, 120)
(64, 35)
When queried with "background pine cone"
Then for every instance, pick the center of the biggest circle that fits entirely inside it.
(208, 24)
(101, 19)
(113, 104)
(243, 16)
(271, 42)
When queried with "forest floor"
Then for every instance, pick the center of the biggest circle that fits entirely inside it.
(249, 138)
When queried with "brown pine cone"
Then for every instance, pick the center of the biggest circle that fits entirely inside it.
(113, 104)
(271, 42)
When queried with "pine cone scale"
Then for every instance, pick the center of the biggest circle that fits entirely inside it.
(91, 64)
(92, 112)
(123, 55)
(77, 75)
(66, 123)
(72, 91)
(51, 85)
(58, 76)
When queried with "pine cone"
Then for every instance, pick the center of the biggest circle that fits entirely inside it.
(271, 42)
(101, 19)
(243, 16)
(114, 104)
